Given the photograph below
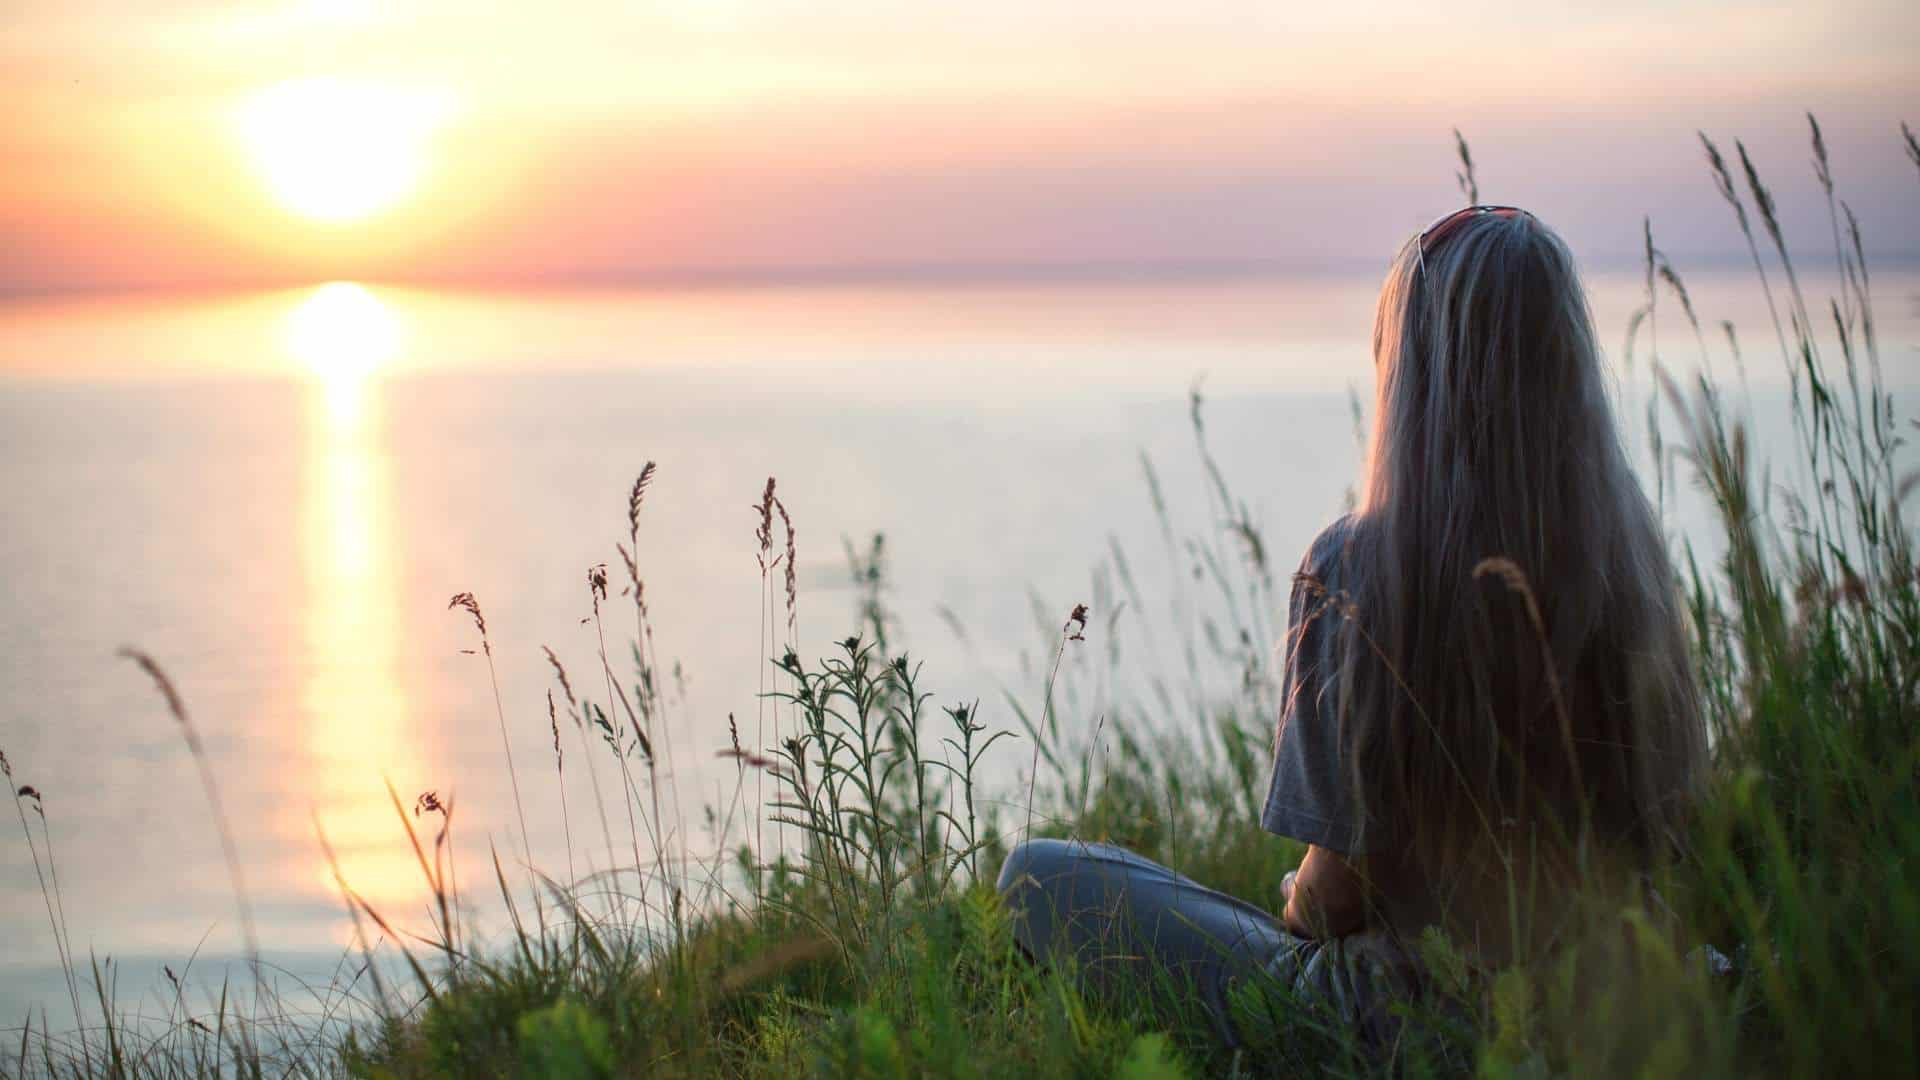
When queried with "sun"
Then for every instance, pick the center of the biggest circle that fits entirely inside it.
(340, 150)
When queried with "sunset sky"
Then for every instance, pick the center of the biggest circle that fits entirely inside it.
(197, 143)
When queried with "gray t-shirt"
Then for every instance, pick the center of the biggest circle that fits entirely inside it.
(1311, 797)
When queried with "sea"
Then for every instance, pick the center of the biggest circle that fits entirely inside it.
(275, 495)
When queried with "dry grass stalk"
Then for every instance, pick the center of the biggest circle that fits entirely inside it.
(1515, 579)
(232, 852)
(60, 940)
(648, 691)
(466, 602)
(437, 873)
(593, 771)
(792, 645)
(560, 775)
(1074, 629)
(763, 555)
(353, 912)
(1469, 184)
(596, 591)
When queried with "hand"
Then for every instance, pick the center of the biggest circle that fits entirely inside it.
(1286, 887)
(1325, 898)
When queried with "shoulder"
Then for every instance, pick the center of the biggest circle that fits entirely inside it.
(1323, 573)
(1328, 551)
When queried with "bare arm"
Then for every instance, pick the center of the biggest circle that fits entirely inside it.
(1326, 897)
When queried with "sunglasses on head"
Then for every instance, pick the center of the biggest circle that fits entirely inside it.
(1433, 234)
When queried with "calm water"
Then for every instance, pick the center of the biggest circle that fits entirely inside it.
(275, 494)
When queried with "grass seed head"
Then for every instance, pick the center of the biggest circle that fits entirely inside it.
(1723, 180)
(566, 685)
(172, 696)
(465, 602)
(763, 534)
(1822, 168)
(634, 498)
(1672, 278)
(1076, 624)
(792, 580)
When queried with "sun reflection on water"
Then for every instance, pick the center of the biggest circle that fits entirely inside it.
(343, 333)
(354, 700)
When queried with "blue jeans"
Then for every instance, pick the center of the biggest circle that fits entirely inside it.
(1126, 921)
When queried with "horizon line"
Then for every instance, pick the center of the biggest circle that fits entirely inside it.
(882, 274)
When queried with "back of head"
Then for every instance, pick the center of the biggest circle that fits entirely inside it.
(1516, 667)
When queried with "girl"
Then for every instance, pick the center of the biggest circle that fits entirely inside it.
(1487, 691)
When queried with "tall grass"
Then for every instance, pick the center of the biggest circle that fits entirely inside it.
(864, 938)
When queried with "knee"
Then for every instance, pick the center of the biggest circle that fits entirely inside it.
(1029, 864)
(1030, 881)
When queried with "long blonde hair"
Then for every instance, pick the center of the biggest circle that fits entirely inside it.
(1516, 652)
